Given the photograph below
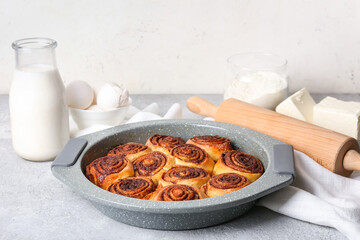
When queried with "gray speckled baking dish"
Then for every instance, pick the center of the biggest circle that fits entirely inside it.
(277, 158)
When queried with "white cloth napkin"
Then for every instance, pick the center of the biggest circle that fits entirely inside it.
(320, 197)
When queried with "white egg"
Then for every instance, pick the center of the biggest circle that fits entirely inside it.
(79, 94)
(112, 96)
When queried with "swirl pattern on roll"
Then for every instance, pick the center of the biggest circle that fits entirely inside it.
(192, 176)
(150, 163)
(108, 168)
(192, 156)
(242, 162)
(177, 173)
(132, 150)
(134, 187)
(164, 141)
(177, 192)
(225, 183)
(213, 145)
(229, 181)
(209, 139)
(189, 153)
(128, 148)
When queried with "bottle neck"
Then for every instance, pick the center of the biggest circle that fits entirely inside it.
(36, 57)
(35, 51)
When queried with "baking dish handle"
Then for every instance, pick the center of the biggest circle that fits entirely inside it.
(70, 153)
(284, 159)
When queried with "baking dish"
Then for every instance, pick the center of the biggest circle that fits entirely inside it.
(277, 159)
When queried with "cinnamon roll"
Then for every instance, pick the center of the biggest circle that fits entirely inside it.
(192, 156)
(132, 150)
(239, 162)
(134, 187)
(213, 145)
(177, 192)
(192, 176)
(163, 143)
(105, 170)
(225, 183)
(152, 165)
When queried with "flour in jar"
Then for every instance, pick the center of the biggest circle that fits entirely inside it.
(264, 89)
(38, 112)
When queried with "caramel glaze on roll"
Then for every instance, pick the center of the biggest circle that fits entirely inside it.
(134, 187)
(163, 143)
(239, 162)
(131, 150)
(225, 183)
(192, 156)
(192, 176)
(152, 165)
(177, 192)
(105, 170)
(213, 145)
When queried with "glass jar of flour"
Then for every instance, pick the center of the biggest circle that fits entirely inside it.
(257, 78)
(38, 111)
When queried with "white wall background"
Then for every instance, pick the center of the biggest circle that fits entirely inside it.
(180, 46)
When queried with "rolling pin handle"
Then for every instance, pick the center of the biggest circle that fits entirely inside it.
(352, 160)
(201, 106)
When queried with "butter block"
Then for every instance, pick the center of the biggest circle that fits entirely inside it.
(339, 116)
(299, 105)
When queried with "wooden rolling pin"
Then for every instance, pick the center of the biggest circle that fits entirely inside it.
(334, 151)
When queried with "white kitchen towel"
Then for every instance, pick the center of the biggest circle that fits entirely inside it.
(320, 197)
(151, 108)
(143, 116)
(174, 112)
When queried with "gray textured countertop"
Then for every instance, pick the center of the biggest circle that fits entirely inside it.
(35, 205)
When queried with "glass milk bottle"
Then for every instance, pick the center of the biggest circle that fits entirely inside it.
(38, 111)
